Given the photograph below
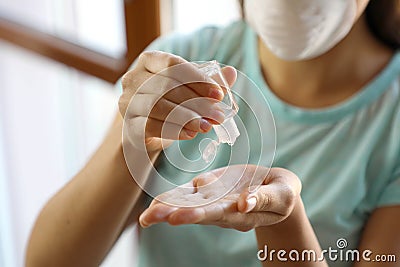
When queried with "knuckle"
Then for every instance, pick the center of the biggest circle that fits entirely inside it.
(244, 229)
(146, 55)
(151, 129)
(122, 105)
(160, 107)
(172, 60)
(127, 79)
(294, 179)
(168, 85)
(298, 184)
(168, 58)
(265, 201)
(289, 196)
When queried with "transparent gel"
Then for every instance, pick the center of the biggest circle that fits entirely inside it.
(227, 132)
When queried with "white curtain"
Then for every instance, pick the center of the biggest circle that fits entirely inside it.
(52, 118)
(6, 241)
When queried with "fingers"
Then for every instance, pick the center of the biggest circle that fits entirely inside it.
(161, 73)
(223, 214)
(270, 203)
(158, 73)
(156, 61)
(208, 214)
(130, 82)
(177, 97)
(161, 84)
(157, 214)
(179, 69)
(227, 78)
(181, 72)
(230, 75)
(159, 117)
(186, 195)
(278, 194)
(172, 129)
(175, 216)
(156, 107)
(180, 94)
(205, 179)
(159, 210)
(141, 128)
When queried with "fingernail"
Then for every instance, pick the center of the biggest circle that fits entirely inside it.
(217, 94)
(143, 222)
(205, 126)
(251, 203)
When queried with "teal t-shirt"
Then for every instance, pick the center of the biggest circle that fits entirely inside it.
(347, 156)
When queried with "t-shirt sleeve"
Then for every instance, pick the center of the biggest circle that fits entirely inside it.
(391, 193)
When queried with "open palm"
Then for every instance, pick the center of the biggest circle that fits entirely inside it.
(241, 197)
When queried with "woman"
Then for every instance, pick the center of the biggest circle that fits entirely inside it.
(331, 75)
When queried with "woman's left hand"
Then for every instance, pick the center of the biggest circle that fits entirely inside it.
(240, 197)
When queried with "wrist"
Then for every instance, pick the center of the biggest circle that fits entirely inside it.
(293, 232)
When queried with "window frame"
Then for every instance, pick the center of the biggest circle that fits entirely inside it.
(142, 25)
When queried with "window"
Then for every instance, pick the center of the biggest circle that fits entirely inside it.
(189, 15)
(62, 31)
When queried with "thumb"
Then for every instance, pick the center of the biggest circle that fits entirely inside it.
(275, 198)
(277, 193)
(226, 78)
(230, 75)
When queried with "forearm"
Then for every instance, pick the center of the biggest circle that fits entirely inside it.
(79, 225)
(294, 233)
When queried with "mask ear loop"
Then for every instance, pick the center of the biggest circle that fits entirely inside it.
(227, 132)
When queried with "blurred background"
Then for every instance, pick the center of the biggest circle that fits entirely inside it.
(59, 61)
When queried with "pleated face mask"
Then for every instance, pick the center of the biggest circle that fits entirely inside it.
(300, 29)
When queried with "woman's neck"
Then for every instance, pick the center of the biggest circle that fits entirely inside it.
(330, 78)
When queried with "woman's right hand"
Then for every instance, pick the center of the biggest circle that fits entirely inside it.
(167, 98)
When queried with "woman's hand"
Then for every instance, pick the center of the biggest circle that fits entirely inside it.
(166, 98)
(229, 197)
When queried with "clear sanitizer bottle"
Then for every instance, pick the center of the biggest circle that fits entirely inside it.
(227, 132)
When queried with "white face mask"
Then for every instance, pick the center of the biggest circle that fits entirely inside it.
(300, 29)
